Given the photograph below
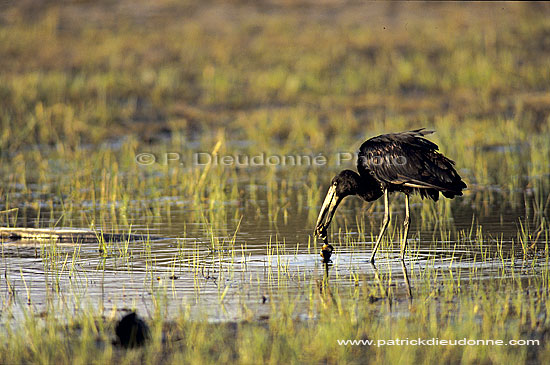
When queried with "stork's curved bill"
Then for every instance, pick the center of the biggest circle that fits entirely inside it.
(327, 212)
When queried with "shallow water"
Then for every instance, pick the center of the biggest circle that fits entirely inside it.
(195, 265)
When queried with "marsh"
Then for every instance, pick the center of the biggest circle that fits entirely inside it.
(234, 272)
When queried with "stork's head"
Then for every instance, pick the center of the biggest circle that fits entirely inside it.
(347, 182)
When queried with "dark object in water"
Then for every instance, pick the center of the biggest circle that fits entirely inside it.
(132, 331)
(326, 252)
(396, 162)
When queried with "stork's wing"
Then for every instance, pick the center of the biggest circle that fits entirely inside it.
(409, 159)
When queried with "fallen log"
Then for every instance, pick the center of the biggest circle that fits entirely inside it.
(67, 235)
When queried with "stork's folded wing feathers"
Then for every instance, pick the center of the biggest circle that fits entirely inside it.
(409, 160)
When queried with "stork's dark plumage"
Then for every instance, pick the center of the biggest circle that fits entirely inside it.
(396, 162)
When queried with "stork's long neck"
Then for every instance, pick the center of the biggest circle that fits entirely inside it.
(369, 188)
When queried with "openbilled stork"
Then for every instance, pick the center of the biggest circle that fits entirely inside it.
(395, 162)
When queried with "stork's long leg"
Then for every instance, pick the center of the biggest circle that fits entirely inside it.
(406, 224)
(385, 223)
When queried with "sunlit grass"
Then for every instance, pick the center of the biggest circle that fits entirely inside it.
(449, 304)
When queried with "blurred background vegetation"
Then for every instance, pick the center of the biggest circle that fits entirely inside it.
(86, 86)
(295, 71)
